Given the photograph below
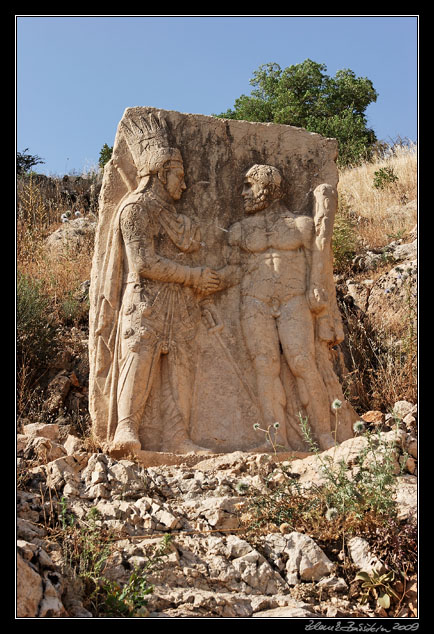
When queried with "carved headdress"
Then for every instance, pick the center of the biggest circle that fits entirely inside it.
(148, 142)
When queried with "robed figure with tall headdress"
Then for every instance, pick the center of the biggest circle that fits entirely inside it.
(145, 308)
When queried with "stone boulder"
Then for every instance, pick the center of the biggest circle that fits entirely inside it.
(74, 236)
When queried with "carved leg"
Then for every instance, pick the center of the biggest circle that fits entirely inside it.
(262, 342)
(176, 396)
(297, 338)
(134, 385)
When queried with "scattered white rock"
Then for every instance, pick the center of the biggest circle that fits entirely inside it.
(362, 556)
(42, 430)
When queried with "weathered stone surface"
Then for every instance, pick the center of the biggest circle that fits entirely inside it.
(287, 613)
(40, 586)
(401, 409)
(207, 573)
(72, 237)
(406, 497)
(298, 556)
(42, 449)
(393, 298)
(362, 557)
(42, 430)
(31, 590)
(73, 444)
(333, 584)
(310, 469)
(200, 289)
(373, 416)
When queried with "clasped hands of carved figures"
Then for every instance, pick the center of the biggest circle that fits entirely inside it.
(208, 281)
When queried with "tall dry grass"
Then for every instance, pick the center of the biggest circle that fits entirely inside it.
(382, 213)
(39, 215)
(49, 298)
(383, 355)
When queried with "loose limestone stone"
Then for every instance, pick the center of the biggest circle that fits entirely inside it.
(287, 613)
(298, 556)
(362, 556)
(43, 430)
(30, 589)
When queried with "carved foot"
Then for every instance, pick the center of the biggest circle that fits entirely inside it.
(264, 448)
(126, 440)
(326, 441)
(186, 446)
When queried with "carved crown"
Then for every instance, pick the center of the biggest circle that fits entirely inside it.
(148, 142)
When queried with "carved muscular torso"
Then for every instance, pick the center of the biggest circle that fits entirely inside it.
(275, 241)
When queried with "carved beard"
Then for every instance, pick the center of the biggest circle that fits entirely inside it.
(260, 202)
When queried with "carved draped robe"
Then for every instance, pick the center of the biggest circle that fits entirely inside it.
(145, 309)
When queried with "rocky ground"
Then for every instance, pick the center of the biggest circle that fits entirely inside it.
(74, 502)
(214, 566)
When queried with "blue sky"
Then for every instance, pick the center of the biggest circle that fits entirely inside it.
(75, 75)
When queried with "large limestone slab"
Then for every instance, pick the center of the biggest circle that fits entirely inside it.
(213, 311)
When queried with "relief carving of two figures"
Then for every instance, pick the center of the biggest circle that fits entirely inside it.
(149, 306)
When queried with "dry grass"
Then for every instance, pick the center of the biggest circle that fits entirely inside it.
(382, 364)
(379, 212)
(38, 217)
(52, 283)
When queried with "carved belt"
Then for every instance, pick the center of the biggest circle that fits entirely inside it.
(132, 277)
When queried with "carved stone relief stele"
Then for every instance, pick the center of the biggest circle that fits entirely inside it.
(213, 311)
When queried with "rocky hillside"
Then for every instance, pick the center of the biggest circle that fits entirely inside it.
(238, 535)
(218, 536)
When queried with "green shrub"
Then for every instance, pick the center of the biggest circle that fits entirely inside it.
(36, 334)
(371, 488)
(344, 240)
(302, 95)
(73, 310)
(105, 155)
(383, 177)
(86, 548)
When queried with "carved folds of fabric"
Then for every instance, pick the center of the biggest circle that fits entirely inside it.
(134, 222)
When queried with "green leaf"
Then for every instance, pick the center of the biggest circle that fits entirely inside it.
(384, 601)
(362, 575)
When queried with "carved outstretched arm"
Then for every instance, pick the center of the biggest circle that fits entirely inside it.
(230, 275)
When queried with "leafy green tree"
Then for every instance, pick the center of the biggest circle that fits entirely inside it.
(26, 161)
(105, 155)
(304, 96)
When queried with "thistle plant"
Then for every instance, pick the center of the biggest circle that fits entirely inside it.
(86, 547)
(369, 486)
(336, 405)
(270, 434)
(359, 427)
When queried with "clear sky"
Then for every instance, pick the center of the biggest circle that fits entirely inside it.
(75, 75)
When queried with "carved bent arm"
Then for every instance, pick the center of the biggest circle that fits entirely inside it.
(325, 208)
(139, 245)
(155, 267)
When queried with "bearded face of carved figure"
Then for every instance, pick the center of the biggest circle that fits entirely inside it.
(261, 186)
(254, 195)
